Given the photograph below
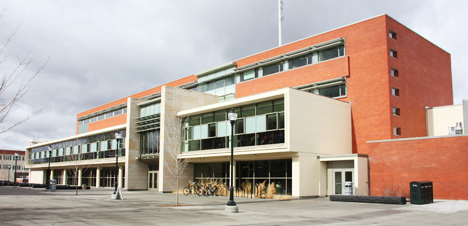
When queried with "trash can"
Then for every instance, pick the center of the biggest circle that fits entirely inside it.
(348, 188)
(83, 187)
(421, 192)
(53, 185)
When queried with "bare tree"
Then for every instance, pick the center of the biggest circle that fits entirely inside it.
(74, 166)
(172, 148)
(15, 83)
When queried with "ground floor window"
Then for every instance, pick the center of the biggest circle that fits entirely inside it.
(249, 174)
(58, 176)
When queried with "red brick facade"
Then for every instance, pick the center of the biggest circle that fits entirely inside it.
(444, 161)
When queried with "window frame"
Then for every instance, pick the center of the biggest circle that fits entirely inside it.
(396, 111)
(395, 92)
(392, 34)
(394, 53)
(394, 72)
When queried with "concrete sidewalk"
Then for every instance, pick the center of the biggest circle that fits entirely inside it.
(21, 206)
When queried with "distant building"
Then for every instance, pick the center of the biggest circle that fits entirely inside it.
(8, 165)
(308, 112)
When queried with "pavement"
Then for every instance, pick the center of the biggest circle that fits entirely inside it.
(24, 206)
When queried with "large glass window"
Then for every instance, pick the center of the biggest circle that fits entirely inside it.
(274, 68)
(298, 62)
(214, 130)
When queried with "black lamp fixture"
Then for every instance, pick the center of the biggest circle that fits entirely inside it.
(231, 205)
(118, 136)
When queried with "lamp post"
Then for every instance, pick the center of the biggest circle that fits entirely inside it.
(16, 164)
(9, 172)
(48, 169)
(231, 205)
(118, 136)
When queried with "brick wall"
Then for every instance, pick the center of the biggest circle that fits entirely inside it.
(444, 161)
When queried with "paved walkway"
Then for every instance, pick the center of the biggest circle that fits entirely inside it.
(23, 206)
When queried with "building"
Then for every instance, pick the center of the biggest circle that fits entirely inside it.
(307, 111)
(9, 161)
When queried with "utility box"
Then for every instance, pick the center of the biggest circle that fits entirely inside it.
(421, 192)
(53, 185)
(348, 188)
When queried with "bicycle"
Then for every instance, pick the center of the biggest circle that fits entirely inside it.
(190, 187)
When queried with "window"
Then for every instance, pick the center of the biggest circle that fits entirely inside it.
(298, 62)
(392, 34)
(333, 91)
(394, 72)
(247, 75)
(274, 68)
(395, 92)
(397, 131)
(393, 53)
(396, 111)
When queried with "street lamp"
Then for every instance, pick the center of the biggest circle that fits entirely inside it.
(16, 164)
(118, 136)
(231, 205)
(48, 170)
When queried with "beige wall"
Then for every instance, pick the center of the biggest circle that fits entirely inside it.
(174, 100)
(318, 124)
(440, 118)
(136, 172)
(36, 177)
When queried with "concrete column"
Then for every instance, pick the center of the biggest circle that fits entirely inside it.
(64, 177)
(121, 176)
(98, 177)
(51, 174)
(79, 177)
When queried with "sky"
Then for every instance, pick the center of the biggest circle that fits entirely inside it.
(100, 51)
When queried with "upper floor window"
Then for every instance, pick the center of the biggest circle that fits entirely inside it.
(393, 53)
(274, 68)
(395, 92)
(332, 53)
(397, 131)
(394, 72)
(392, 34)
(150, 109)
(396, 111)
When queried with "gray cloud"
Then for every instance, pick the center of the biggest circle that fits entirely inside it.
(104, 50)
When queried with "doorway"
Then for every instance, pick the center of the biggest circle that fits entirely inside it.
(153, 180)
(339, 177)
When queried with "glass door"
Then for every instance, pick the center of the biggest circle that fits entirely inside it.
(339, 177)
(152, 180)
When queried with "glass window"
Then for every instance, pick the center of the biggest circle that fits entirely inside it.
(394, 72)
(207, 118)
(229, 80)
(329, 54)
(204, 131)
(194, 145)
(109, 115)
(212, 130)
(395, 92)
(220, 116)
(281, 120)
(278, 105)
(222, 128)
(393, 53)
(250, 125)
(274, 68)
(261, 123)
(264, 107)
(197, 132)
(101, 117)
(239, 126)
(396, 131)
(396, 111)
(333, 91)
(342, 50)
(117, 112)
(220, 83)
(247, 75)
(202, 88)
(248, 110)
(210, 86)
(297, 62)
(195, 120)
(392, 34)
(271, 121)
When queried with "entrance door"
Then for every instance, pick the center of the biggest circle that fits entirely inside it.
(339, 177)
(152, 180)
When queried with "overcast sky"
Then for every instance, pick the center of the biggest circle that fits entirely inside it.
(100, 51)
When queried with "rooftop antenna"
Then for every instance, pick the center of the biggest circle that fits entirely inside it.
(280, 18)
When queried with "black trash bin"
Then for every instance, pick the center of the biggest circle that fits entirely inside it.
(421, 192)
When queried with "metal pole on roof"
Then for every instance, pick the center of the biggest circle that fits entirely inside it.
(280, 19)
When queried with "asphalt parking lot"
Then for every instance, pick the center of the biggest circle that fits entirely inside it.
(24, 206)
